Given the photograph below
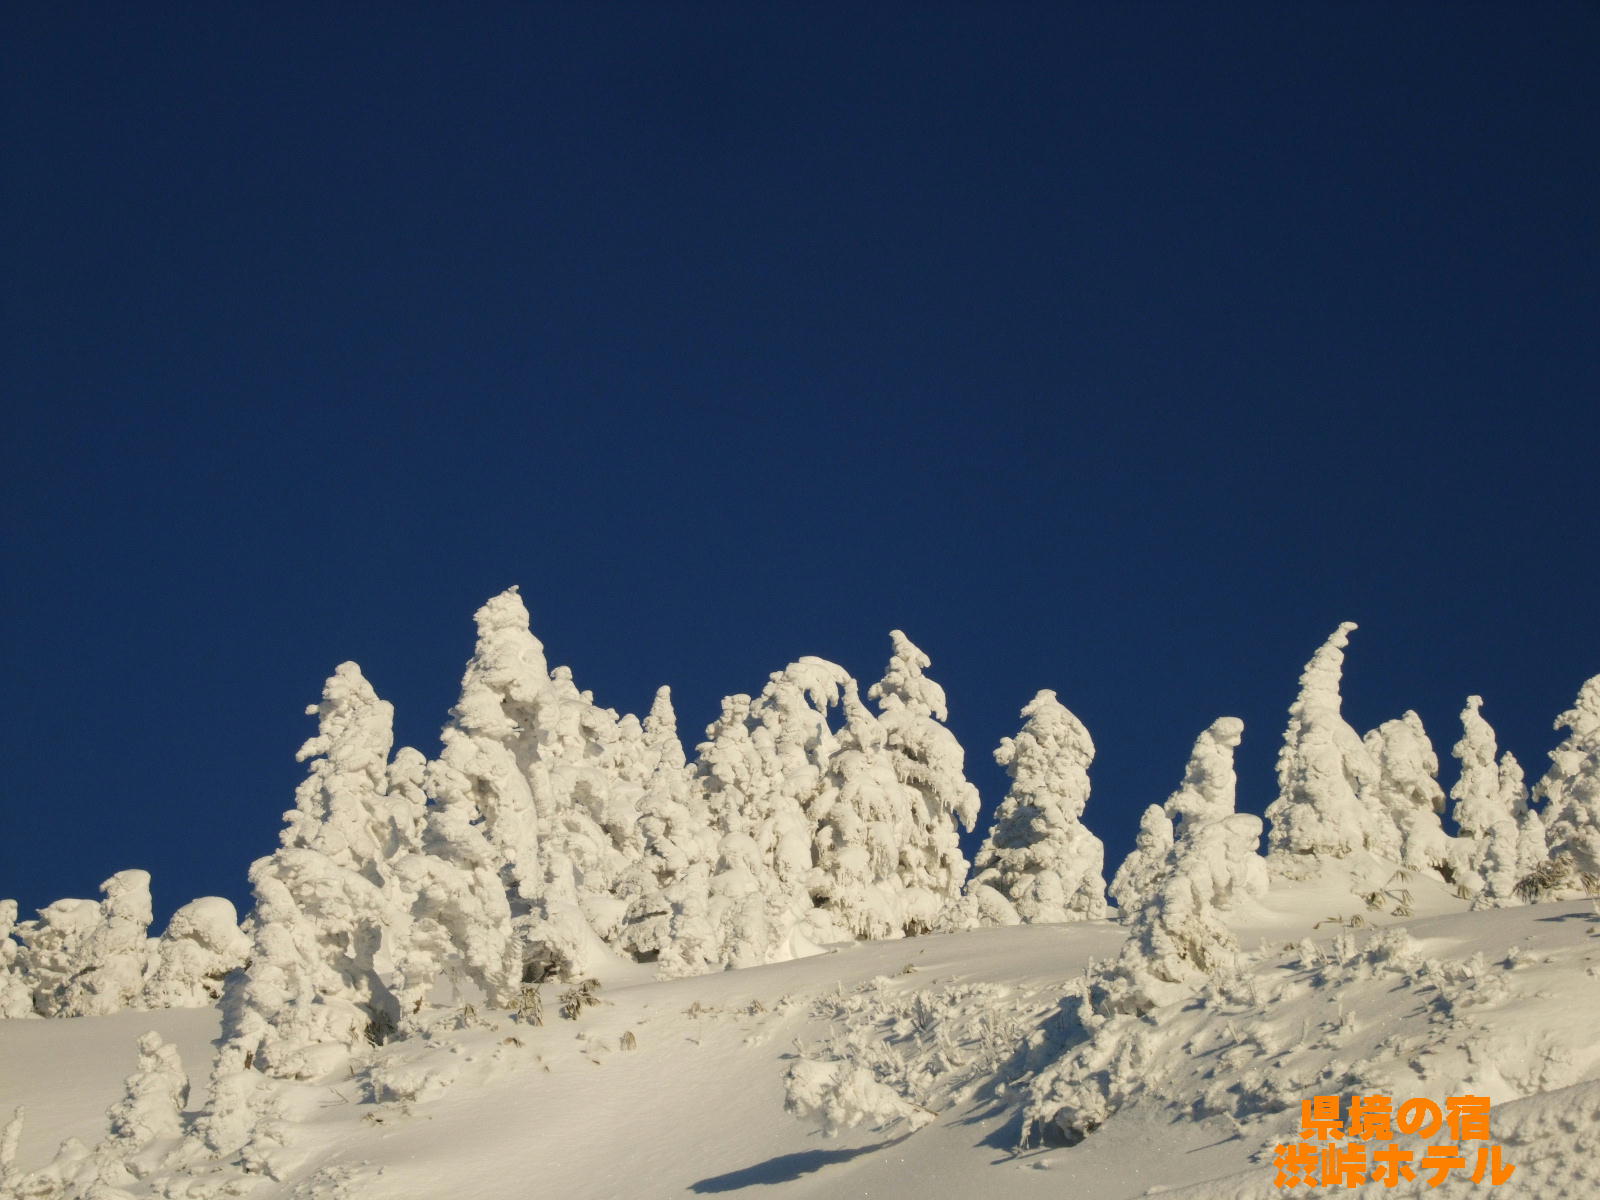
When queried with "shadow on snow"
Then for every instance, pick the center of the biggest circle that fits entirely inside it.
(784, 1167)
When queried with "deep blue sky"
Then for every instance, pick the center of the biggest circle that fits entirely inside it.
(1122, 349)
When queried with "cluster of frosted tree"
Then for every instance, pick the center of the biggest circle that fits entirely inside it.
(89, 958)
(551, 836)
(1340, 795)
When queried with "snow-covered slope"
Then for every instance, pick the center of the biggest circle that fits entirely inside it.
(677, 1088)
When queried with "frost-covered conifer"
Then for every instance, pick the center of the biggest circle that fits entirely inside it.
(16, 994)
(1409, 791)
(1478, 802)
(1213, 866)
(1326, 776)
(116, 953)
(53, 950)
(553, 782)
(88, 959)
(1532, 847)
(1141, 873)
(1486, 801)
(763, 769)
(587, 775)
(151, 1108)
(863, 815)
(677, 843)
(1176, 944)
(927, 757)
(477, 773)
(1038, 854)
(330, 930)
(1571, 787)
(200, 946)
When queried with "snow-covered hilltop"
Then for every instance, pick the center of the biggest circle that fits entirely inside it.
(430, 935)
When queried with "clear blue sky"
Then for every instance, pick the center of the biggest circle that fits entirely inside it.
(1121, 349)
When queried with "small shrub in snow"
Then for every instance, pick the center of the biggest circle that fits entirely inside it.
(841, 1096)
(530, 1005)
(580, 996)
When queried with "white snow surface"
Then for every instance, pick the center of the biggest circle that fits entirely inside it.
(677, 1088)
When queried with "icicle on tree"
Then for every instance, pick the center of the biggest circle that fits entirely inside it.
(1409, 792)
(927, 757)
(1571, 791)
(1326, 777)
(1039, 856)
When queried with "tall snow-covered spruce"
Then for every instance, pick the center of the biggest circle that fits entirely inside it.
(1177, 943)
(1571, 788)
(328, 932)
(1327, 779)
(928, 759)
(1409, 791)
(552, 782)
(1039, 857)
(1489, 798)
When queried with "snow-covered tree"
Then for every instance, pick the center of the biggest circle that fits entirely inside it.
(763, 769)
(151, 1107)
(587, 773)
(678, 845)
(477, 773)
(863, 816)
(1478, 804)
(117, 952)
(16, 994)
(927, 757)
(329, 929)
(53, 950)
(1571, 787)
(1141, 873)
(200, 946)
(89, 959)
(1039, 855)
(553, 782)
(1533, 849)
(1326, 776)
(1486, 802)
(1177, 943)
(1409, 791)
